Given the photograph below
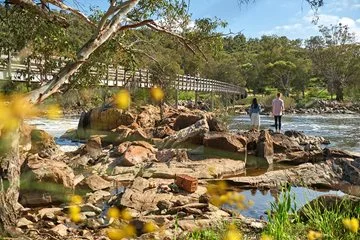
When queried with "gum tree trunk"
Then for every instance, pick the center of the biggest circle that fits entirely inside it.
(9, 194)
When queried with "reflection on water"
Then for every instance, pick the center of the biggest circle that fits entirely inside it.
(263, 198)
(343, 130)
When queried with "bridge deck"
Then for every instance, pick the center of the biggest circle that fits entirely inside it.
(120, 77)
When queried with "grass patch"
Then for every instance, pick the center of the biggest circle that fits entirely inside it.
(287, 223)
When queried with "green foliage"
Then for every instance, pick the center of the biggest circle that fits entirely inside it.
(287, 223)
(206, 234)
(281, 216)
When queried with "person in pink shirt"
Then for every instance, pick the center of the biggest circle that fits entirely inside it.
(277, 110)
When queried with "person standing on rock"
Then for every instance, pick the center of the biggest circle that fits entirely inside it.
(277, 110)
(255, 114)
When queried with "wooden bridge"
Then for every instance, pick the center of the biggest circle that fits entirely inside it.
(121, 77)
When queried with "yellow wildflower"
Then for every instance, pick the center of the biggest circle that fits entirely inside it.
(351, 224)
(313, 235)
(129, 230)
(75, 217)
(113, 212)
(74, 209)
(123, 99)
(115, 234)
(157, 94)
(54, 111)
(126, 215)
(150, 227)
(265, 237)
(76, 199)
(233, 233)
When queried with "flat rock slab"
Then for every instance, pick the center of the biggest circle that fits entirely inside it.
(202, 169)
(308, 174)
(143, 194)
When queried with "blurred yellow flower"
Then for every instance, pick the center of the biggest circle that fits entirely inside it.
(157, 93)
(129, 230)
(74, 209)
(123, 99)
(313, 235)
(113, 212)
(76, 199)
(126, 231)
(75, 217)
(150, 227)
(13, 110)
(233, 233)
(116, 234)
(265, 237)
(351, 224)
(126, 215)
(54, 111)
(21, 107)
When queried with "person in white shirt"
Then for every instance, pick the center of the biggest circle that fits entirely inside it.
(277, 110)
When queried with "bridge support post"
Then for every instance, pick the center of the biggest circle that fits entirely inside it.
(176, 98)
(233, 101)
(196, 99)
(212, 101)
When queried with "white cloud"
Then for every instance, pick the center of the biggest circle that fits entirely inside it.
(304, 27)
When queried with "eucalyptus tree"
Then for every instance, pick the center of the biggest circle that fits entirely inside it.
(336, 57)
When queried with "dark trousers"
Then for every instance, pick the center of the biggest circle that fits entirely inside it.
(277, 120)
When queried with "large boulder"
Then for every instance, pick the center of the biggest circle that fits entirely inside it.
(224, 141)
(43, 144)
(214, 124)
(284, 144)
(148, 117)
(185, 120)
(265, 148)
(193, 134)
(105, 119)
(134, 153)
(45, 182)
(329, 202)
(349, 169)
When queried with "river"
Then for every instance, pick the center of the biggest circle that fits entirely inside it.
(342, 130)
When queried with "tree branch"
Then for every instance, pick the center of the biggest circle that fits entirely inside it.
(42, 12)
(65, 7)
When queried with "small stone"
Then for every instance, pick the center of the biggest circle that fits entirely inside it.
(204, 198)
(88, 207)
(89, 214)
(163, 205)
(24, 223)
(60, 229)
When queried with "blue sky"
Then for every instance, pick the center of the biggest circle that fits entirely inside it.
(291, 18)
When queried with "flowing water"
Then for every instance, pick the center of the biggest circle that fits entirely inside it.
(343, 130)
(57, 128)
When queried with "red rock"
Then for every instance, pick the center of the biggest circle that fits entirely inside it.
(186, 182)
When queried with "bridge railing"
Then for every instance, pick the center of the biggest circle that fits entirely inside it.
(121, 77)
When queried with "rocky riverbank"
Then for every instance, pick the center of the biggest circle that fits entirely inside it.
(316, 107)
(132, 160)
